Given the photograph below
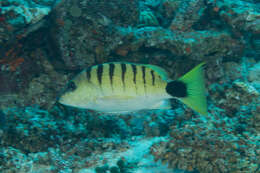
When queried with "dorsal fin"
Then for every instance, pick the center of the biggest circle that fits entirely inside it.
(159, 70)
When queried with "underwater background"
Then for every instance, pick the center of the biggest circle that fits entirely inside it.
(45, 43)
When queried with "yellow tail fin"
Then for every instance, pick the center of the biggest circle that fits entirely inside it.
(196, 98)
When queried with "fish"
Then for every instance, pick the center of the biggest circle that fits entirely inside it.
(123, 87)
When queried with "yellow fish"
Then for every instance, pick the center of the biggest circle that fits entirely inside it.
(118, 87)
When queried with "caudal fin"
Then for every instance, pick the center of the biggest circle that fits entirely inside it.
(190, 89)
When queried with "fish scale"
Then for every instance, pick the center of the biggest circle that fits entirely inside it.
(122, 87)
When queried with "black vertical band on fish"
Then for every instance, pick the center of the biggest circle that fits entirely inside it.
(123, 67)
(134, 71)
(111, 73)
(99, 74)
(89, 73)
(143, 72)
(153, 77)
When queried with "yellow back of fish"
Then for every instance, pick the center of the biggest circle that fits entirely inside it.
(128, 79)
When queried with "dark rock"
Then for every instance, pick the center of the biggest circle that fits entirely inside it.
(2, 120)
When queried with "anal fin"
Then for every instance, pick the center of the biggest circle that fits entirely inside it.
(164, 104)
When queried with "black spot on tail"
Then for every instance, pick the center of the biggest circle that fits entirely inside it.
(177, 89)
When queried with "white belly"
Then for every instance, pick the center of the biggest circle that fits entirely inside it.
(129, 105)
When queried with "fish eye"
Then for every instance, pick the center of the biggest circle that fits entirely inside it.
(71, 86)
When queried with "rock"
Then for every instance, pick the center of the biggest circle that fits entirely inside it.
(233, 70)
(2, 120)
(105, 36)
(233, 98)
(35, 132)
(246, 89)
(255, 43)
(187, 14)
(195, 45)
(14, 159)
(29, 79)
(19, 18)
(241, 16)
(254, 75)
(147, 18)
(85, 32)
(75, 11)
(210, 149)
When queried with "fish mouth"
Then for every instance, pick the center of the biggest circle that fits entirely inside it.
(63, 100)
(60, 95)
(60, 99)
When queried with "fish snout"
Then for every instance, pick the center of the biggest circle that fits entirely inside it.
(70, 87)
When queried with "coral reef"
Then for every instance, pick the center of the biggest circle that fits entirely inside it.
(254, 76)
(91, 24)
(44, 43)
(221, 142)
(20, 17)
(219, 145)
